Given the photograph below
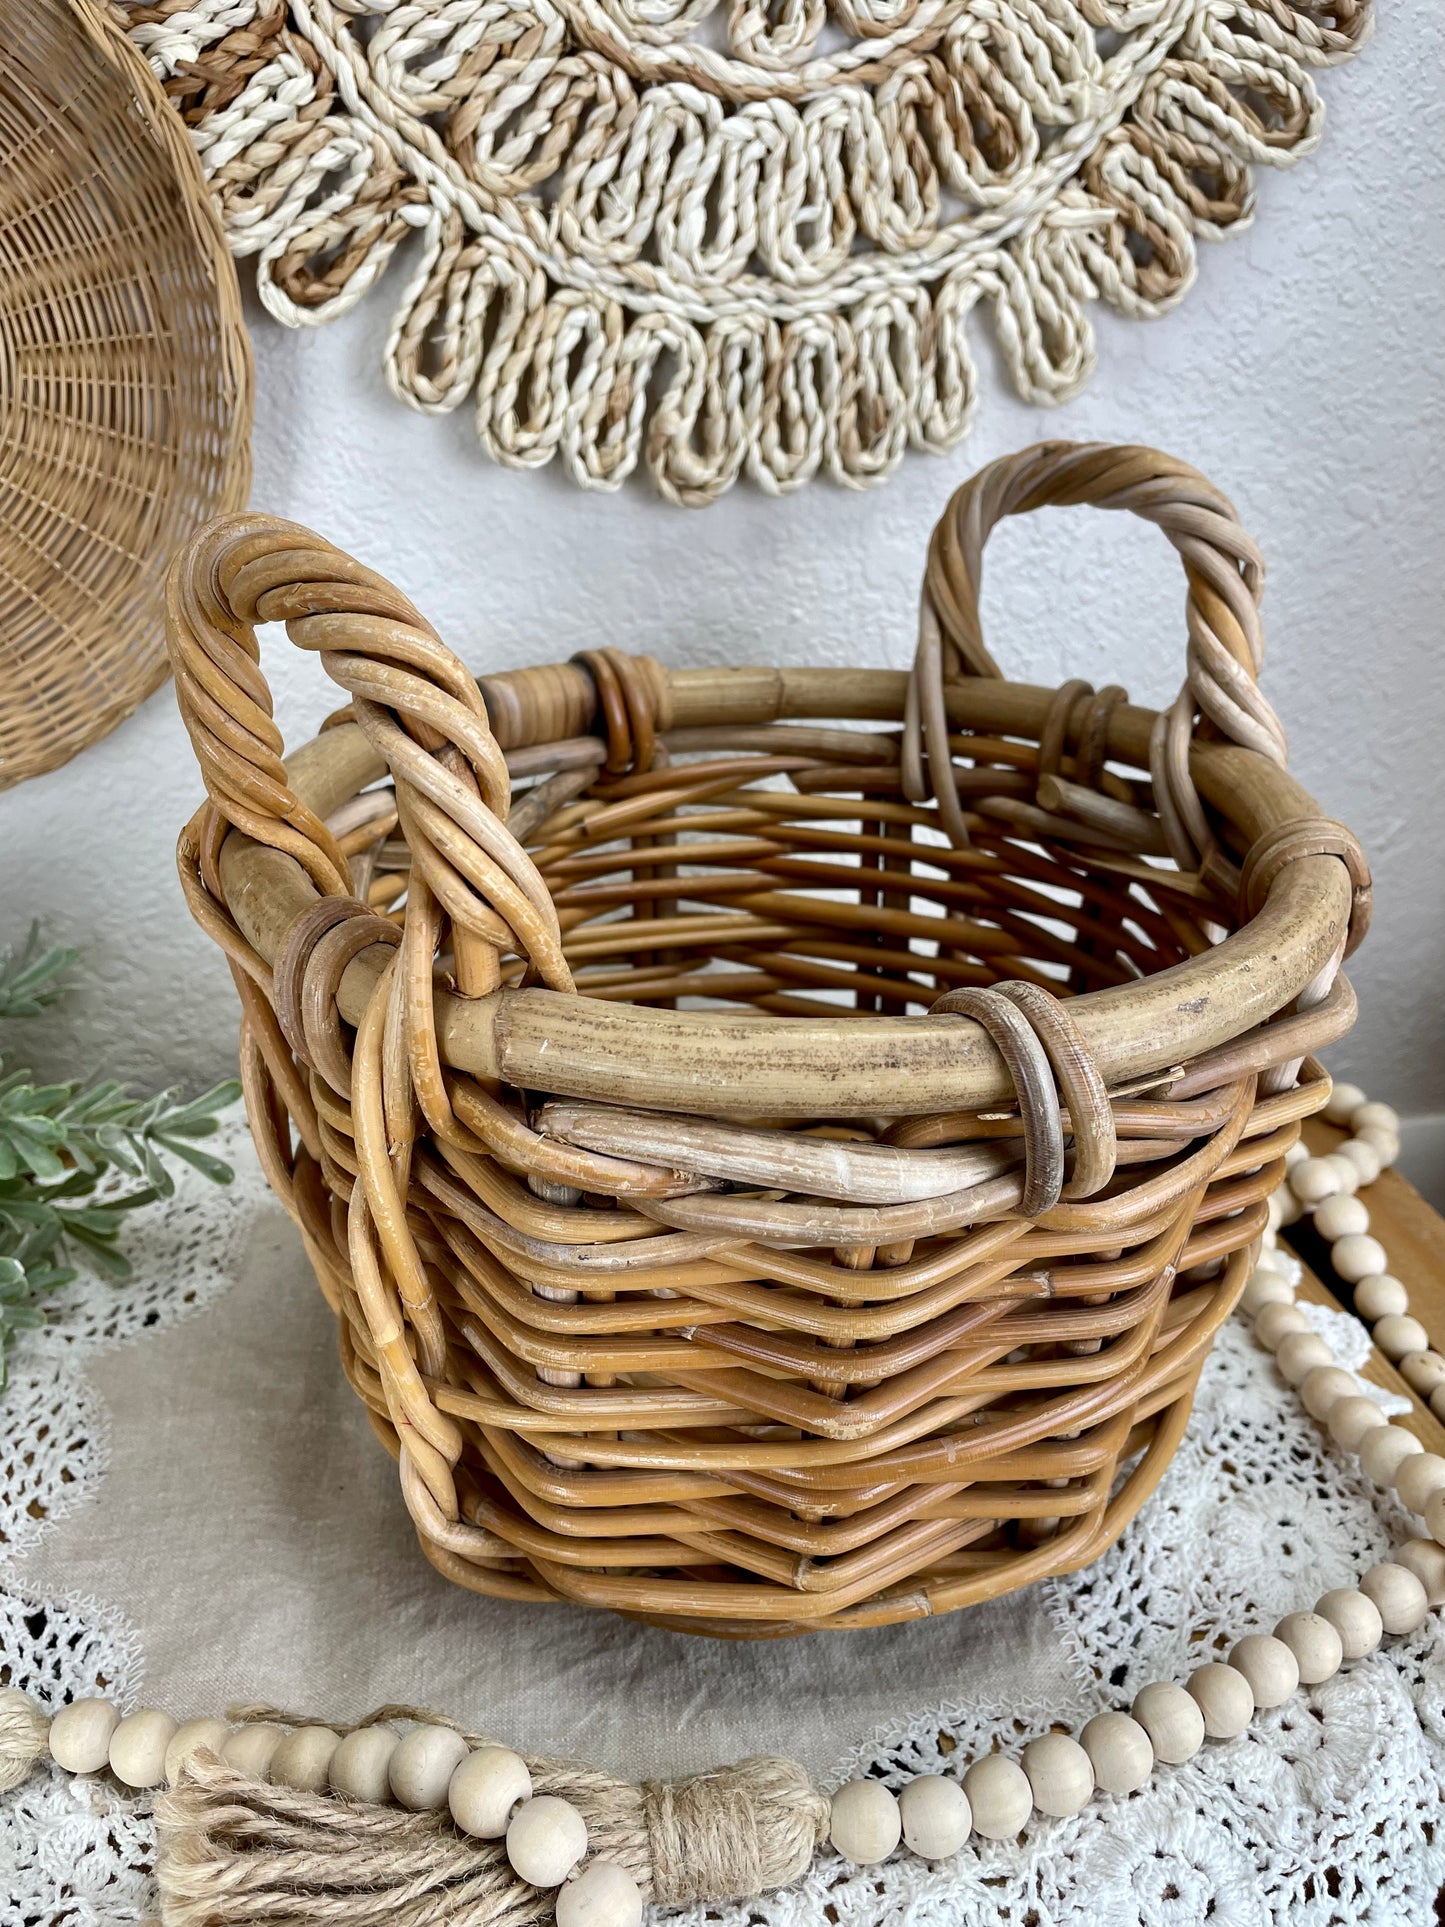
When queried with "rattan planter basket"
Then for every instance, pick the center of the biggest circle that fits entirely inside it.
(778, 1143)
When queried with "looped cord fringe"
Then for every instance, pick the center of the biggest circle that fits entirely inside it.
(744, 252)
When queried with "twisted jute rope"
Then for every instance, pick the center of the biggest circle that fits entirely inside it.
(238, 1850)
(636, 245)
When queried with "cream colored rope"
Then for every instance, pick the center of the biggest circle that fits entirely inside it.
(738, 246)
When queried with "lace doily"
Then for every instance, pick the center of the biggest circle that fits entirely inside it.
(1326, 1814)
(78, 1854)
(744, 240)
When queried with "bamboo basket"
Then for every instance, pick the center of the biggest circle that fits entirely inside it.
(778, 1142)
(125, 375)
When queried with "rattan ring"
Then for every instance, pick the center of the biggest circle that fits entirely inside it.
(688, 1264)
(125, 375)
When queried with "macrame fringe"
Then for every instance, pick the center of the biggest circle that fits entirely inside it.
(238, 1852)
(23, 1730)
(692, 290)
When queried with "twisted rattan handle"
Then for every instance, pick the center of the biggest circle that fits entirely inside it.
(418, 704)
(1225, 573)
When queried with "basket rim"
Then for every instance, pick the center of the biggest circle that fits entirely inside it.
(700, 1061)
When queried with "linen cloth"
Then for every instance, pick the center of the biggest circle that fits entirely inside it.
(193, 1510)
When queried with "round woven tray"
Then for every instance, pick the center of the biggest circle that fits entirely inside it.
(779, 1143)
(125, 376)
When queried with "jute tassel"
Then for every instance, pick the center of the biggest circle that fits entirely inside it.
(234, 1850)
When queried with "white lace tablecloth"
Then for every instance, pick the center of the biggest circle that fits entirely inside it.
(193, 1510)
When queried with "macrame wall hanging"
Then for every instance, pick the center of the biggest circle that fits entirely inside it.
(741, 240)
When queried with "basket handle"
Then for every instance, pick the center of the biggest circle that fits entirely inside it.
(417, 703)
(1225, 573)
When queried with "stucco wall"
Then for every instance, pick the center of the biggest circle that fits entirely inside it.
(1303, 373)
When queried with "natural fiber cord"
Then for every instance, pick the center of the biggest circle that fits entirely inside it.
(237, 1849)
(740, 244)
(125, 376)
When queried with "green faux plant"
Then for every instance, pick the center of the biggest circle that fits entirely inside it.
(58, 1142)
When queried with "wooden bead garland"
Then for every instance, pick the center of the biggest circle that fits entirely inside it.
(487, 1790)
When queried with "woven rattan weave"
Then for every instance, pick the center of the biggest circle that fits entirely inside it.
(125, 376)
(778, 1142)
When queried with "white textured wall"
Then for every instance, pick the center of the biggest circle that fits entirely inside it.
(1303, 373)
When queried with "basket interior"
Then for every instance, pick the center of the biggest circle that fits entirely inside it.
(782, 869)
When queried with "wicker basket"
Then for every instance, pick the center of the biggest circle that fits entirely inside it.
(125, 375)
(788, 1172)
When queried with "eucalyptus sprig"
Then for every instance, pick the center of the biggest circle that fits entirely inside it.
(58, 1142)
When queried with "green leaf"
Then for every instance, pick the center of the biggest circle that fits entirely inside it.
(58, 1140)
(30, 978)
(109, 1262)
(216, 1169)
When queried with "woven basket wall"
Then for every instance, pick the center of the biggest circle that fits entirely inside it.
(778, 1143)
(125, 376)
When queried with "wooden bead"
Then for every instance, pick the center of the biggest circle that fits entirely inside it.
(547, 1837)
(1426, 1559)
(1284, 1208)
(1352, 1418)
(1317, 1647)
(1314, 1179)
(1363, 1155)
(1385, 1450)
(1381, 1296)
(1343, 1099)
(1398, 1594)
(1341, 1216)
(1374, 1117)
(1345, 1171)
(1423, 1372)
(486, 1790)
(303, 1759)
(937, 1819)
(1302, 1352)
(1326, 1386)
(1355, 1617)
(1419, 1478)
(361, 1766)
(1360, 1257)
(422, 1765)
(1385, 1145)
(1060, 1774)
(999, 1796)
(1224, 1698)
(602, 1895)
(1269, 1666)
(1266, 1287)
(80, 1735)
(1276, 1322)
(1120, 1752)
(865, 1824)
(188, 1737)
(1172, 1720)
(138, 1748)
(1400, 1334)
(250, 1748)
